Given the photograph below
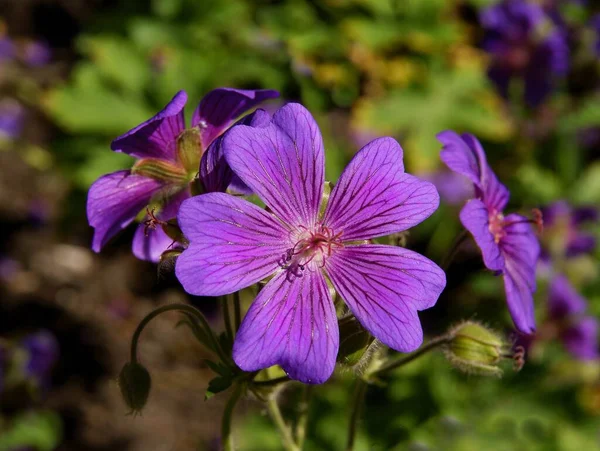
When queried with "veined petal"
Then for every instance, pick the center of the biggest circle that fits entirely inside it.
(215, 173)
(149, 244)
(464, 154)
(114, 200)
(384, 286)
(374, 197)
(292, 323)
(233, 244)
(521, 249)
(475, 217)
(220, 107)
(283, 163)
(157, 137)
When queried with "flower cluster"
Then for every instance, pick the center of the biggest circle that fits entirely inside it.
(311, 245)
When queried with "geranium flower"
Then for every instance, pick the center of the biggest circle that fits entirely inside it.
(508, 243)
(566, 310)
(524, 44)
(564, 225)
(169, 157)
(234, 244)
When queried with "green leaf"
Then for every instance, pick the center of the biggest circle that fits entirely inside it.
(217, 385)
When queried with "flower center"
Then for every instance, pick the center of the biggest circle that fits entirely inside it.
(313, 246)
(497, 223)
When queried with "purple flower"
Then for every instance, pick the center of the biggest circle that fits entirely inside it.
(7, 49)
(566, 308)
(42, 354)
(12, 115)
(595, 24)
(508, 243)
(234, 244)
(564, 232)
(454, 189)
(170, 157)
(525, 45)
(36, 53)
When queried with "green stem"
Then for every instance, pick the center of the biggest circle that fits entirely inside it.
(303, 416)
(271, 382)
(359, 395)
(237, 310)
(458, 241)
(284, 430)
(165, 308)
(434, 343)
(227, 318)
(226, 435)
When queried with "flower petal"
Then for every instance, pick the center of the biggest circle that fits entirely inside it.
(215, 173)
(374, 197)
(220, 107)
(520, 249)
(563, 300)
(475, 217)
(233, 244)
(464, 154)
(581, 339)
(384, 286)
(283, 163)
(157, 137)
(114, 201)
(292, 323)
(149, 244)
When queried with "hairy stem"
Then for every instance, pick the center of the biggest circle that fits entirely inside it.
(226, 435)
(284, 430)
(227, 318)
(357, 401)
(165, 308)
(303, 415)
(237, 310)
(433, 344)
(458, 241)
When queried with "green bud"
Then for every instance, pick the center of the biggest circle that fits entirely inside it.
(158, 169)
(171, 228)
(189, 150)
(475, 349)
(135, 384)
(354, 341)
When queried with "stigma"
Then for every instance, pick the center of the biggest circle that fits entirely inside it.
(312, 246)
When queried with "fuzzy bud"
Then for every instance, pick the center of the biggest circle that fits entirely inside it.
(135, 384)
(354, 341)
(475, 349)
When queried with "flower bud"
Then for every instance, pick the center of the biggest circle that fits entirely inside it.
(135, 384)
(354, 341)
(475, 349)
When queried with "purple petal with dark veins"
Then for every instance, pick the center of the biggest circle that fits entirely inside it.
(581, 339)
(215, 173)
(384, 286)
(291, 323)
(283, 163)
(521, 249)
(149, 244)
(157, 137)
(464, 154)
(475, 218)
(233, 244)
(220, 107)
(114, 201)
(374, 197)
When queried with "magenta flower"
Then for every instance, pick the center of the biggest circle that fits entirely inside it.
(508, 243)
(577, 331)
(169, 161)
(234, 244)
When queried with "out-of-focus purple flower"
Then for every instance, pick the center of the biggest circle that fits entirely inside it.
(566, 309)
(42, 354)
(454, 189)
(595, 24)
(563, 229)
(12, 115)
(234, 244)
(524, 45)
(36, 53)
(7, 49)
(170, 158)
(508, 243)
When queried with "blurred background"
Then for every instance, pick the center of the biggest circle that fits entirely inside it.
(523, 76)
